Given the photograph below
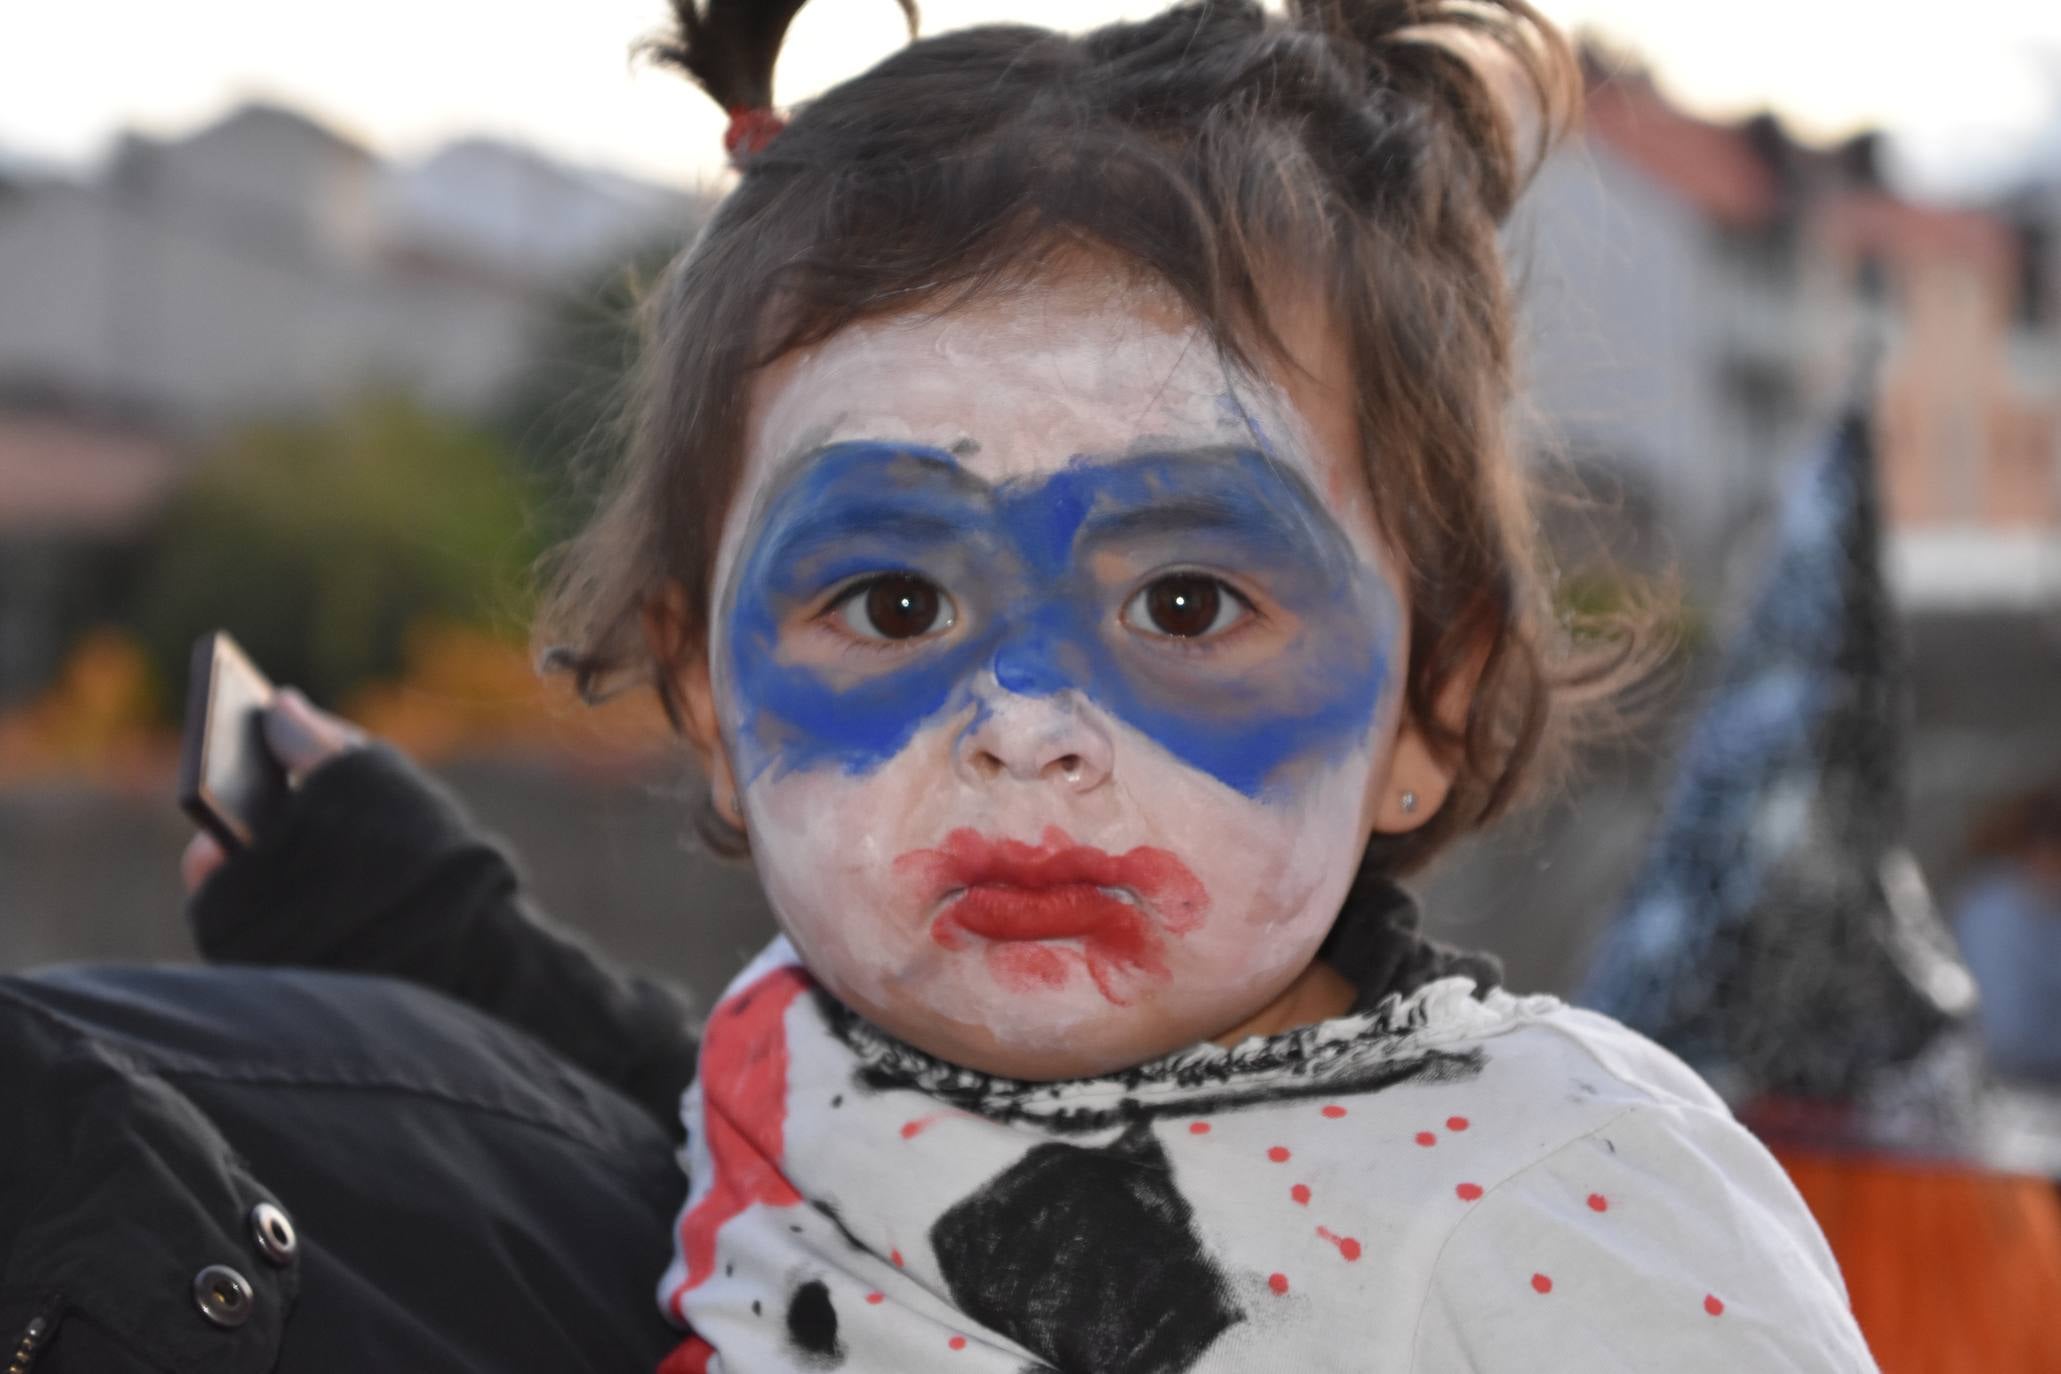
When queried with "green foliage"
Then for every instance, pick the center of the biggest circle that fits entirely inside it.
(316, 543)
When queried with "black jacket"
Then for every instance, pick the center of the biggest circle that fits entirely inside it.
(475, 1150)
(457, 1187)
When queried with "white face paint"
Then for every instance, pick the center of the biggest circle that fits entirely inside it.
(1058, 669)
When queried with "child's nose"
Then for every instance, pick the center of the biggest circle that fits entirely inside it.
(1048, 739)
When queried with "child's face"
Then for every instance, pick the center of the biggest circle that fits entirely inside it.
(1057, 670)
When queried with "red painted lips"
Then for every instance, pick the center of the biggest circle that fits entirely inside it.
(1015, 895)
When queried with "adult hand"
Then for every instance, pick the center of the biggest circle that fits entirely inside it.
(301, 736)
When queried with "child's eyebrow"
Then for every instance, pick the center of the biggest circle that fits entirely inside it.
(871, 489)
(875, 518)
(825, 464)
(1216, 489)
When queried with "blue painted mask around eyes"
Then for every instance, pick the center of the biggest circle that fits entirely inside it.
(1040, 569)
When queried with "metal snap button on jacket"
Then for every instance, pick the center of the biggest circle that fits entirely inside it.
(224, 1296)
(276, 1240)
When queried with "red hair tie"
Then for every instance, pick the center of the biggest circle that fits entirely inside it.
(752, 127)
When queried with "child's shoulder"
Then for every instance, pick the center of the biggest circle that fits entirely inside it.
(1536, 1045)
(1604, 1057)
(1627, 1194)
(1578, 1161)
(1503, 1086)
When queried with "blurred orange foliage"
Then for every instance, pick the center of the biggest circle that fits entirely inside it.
(467, 691)
(98, 719)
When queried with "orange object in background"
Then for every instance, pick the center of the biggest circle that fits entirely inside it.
(466, 690)
(1952, 1269)
(100, 719)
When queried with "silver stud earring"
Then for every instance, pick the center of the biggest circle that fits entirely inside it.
(1409, 803)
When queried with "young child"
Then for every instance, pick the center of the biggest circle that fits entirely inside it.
(1072, 517)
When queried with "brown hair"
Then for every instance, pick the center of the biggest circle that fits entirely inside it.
(1365, 148)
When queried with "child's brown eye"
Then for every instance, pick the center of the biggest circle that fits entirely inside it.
(1185, 606)
(898, 606)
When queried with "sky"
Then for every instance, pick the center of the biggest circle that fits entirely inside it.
(1967, 101)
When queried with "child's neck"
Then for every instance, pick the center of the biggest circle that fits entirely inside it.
(1318, 993)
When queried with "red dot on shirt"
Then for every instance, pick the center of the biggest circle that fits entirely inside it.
(1198, 1128)
(1598, 1203)
(1713, 1305)
(1426, 1138)
(1334, 1111)
(910, 1128)
(957, 1342)
(1542, 1283)
(1301, 1193)
(1456, 1123)
(896, 1256)
(1278, 1282)
(1467, 1192)
(1279, 1154)
(1347, 1246)
(876, 1298)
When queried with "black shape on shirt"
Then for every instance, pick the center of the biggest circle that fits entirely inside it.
(1088, 1258)
(812, 1326)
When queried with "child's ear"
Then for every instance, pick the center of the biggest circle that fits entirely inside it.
(1419, 775)
(687, 669)
(1418, 780)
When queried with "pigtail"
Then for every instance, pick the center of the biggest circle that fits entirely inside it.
(1444, 70)
(729, 48)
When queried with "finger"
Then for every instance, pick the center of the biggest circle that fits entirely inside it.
(203, 856)
(302, 737)
(347, 731)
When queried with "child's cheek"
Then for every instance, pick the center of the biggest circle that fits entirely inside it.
(1277, 869)
(825, 843)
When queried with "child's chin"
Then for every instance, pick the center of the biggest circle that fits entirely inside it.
(1028, 1048)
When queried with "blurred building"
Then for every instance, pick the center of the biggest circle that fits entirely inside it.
(1664, 354)
(1697, 294)
(1696, 297)
(70, 488)
(266, 264)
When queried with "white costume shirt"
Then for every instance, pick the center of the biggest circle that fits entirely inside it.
(1446, 1183)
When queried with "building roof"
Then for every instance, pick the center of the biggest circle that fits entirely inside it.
(1713, 167)
(63, 475)
(268, 119)
(1865, 221)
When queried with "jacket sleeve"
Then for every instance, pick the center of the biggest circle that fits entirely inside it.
(1667, 1239)
(375, 867)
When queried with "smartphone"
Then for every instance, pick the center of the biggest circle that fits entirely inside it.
(229, 781)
